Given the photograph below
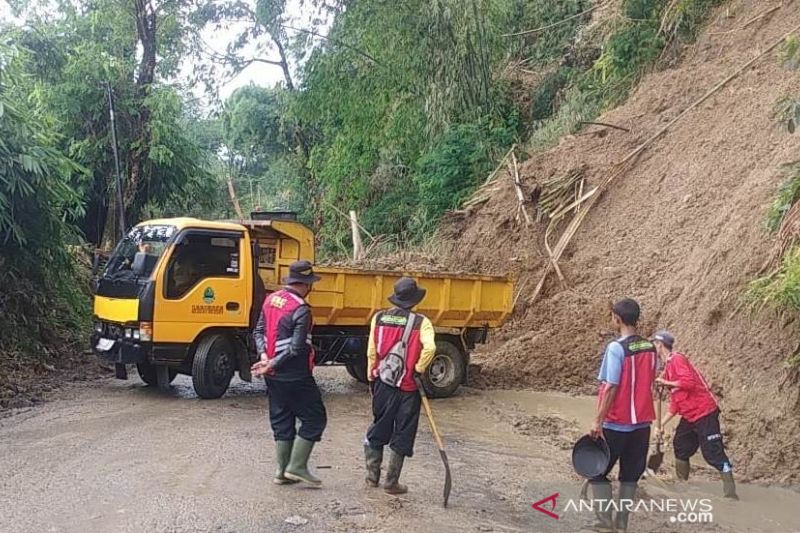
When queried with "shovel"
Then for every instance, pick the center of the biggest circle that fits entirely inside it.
(448, 480)
(655, 460)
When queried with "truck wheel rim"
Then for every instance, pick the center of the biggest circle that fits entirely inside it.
(442, 370)
(222, 368)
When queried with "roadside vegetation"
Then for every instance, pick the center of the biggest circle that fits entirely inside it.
(395, 110)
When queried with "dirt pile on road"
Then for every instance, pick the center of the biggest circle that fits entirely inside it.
(682, 231)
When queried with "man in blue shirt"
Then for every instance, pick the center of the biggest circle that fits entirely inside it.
(624, 413)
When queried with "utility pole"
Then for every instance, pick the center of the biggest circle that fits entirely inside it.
(120, 203)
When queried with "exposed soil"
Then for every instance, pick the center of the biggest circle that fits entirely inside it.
(683, 231)
(119, 456)
(26, 381)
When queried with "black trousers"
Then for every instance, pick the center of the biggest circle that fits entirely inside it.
(630, 449)
(704, 434)
(395, 418)
(290, 401)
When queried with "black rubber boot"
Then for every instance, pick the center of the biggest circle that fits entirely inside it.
(627, 494)
(601, 490)
(297, 470)
(392, 485)
(728, 485)
(374, 458)
(682, 469)
(283, 452)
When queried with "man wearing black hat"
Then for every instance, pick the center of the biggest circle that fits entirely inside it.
(283, 340)
(401, 345)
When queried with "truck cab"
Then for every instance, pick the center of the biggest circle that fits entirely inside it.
(182, 295)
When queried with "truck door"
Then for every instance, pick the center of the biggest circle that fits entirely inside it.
(203, 285)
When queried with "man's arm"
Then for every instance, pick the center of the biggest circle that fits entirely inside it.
(372, 350)
(427, 336)
(258, 336)
(298, 347)
(610, 375)
(603, 409)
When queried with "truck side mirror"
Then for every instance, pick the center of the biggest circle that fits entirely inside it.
(139, 265)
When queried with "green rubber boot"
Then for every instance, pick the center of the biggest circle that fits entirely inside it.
(682, 469)
(297, 470)
(283, 452)
(392, 485)
(601, 491)
(728, 485)
(627, 494)
(374, 458)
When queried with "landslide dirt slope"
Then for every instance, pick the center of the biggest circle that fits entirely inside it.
(682, 231)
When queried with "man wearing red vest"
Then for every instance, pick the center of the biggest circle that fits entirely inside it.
(693, 401)
(624, 413)
(401, 344)
(283, 340)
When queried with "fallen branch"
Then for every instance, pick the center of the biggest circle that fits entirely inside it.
(586, 122)
(749, 22)
(619, 167)
(500, 165)
(553, 25)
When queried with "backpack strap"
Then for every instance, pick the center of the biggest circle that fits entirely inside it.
(409, 328)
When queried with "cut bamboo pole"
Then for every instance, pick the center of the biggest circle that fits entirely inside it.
(514, 174)
(358, 246)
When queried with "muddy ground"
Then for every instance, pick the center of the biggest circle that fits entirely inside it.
(118, 456)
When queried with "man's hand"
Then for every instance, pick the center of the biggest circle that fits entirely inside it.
(260, 368)
(664, 382)
(596, 431)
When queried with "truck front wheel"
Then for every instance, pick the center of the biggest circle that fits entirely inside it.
(149, 374)
(446, 372)
(213, 366)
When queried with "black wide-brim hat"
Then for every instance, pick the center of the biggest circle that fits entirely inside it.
(301, 272)
(406, 293)
(590, 457)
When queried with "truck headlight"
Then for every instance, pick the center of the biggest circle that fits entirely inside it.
(146, 331)
(136, 334)
(128, 333)
(98, 327)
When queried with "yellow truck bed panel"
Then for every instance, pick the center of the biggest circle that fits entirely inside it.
(349, 297)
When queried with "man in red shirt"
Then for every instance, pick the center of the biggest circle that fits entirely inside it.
(692, 400)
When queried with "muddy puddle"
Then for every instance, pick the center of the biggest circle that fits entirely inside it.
(129, 458)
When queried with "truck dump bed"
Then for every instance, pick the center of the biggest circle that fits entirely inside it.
(350, 297)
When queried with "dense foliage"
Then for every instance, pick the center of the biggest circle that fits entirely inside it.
(396, 110)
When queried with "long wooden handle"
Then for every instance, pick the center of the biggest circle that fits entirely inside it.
(428, 412)
(435, 431)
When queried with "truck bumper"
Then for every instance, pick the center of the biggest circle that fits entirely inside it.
(120, 351)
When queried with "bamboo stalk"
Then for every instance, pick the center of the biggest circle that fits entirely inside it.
(553, 25)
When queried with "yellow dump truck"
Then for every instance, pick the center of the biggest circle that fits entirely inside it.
(181, 296)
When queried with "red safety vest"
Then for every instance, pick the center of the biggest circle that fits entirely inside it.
(389, 326)
(633, 403)
(278, 309)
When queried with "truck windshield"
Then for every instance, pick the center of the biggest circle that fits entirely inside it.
(150, 239)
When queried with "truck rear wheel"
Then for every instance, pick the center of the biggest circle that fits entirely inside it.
(446, 372)
(213, 366)
(149, 375)
(357, 368)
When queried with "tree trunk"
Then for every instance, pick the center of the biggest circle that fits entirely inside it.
(137, 167)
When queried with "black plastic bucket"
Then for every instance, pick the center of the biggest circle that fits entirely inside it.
(590, 457)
